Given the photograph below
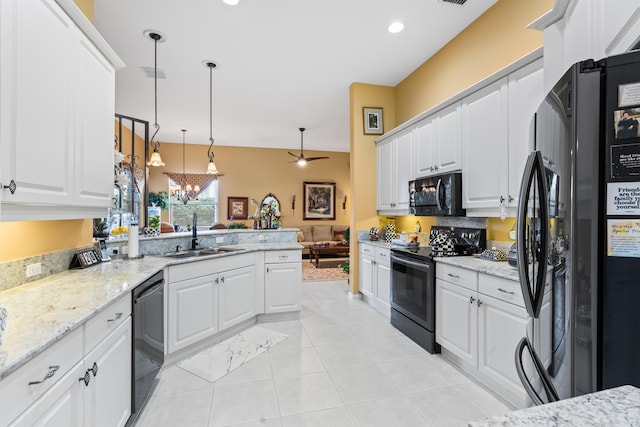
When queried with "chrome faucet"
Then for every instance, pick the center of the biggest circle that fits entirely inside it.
(194, 231)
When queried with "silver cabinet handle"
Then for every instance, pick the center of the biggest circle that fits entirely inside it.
(471, 300)
(12, 186)
(267, 269)
(94, 369)
(510, 198)
(222, 279)
(117, 317)
(217, 281)
(453, 275)
(506, 292)
(480, 303)
(52, 371)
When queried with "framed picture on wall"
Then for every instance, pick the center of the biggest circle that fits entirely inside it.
(372, 121)
(319, 201)
(237, 207)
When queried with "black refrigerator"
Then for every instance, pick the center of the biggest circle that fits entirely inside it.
(579, 223)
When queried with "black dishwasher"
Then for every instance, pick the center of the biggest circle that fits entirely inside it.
(148, 340)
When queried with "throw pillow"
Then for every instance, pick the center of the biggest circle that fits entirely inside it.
(322, 233)
(338, 235)
(300, 236)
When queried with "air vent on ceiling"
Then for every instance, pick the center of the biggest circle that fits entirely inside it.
(148, 71)
(455, 1)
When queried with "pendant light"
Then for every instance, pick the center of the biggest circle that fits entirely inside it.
(183, 191)
(155, 159)
(211, 169)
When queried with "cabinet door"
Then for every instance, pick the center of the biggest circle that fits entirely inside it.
(500, 327)
(36, 106)
(385, 159)
(93, 141)
(108, 395)
(193, 311)
(365, 281)
(484, 146)
(382, 282)
(237, 296)
(449, 139)
(283, 287)
(525, 95)
(61, 406)
(456, 320)
(425, 146)
(403, 171)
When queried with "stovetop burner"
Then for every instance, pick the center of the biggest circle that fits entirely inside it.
(466, 241)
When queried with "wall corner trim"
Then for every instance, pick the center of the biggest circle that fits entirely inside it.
(551, 17)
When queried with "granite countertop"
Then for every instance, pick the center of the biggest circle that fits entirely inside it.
(494, 268)
(41, 313)
(379, 243)
(619, 406)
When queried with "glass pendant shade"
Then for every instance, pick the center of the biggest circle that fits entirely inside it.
(155, 159)
(212, 169)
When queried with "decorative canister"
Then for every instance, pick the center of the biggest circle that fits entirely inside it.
(391, 233)
(374, 233)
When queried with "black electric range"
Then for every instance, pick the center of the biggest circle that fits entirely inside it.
(413, 293)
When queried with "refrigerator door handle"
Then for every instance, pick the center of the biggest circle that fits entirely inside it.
(533, 292)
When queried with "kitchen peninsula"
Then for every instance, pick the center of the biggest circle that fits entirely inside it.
(55, 317)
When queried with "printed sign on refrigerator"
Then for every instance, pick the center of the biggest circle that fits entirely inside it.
(623, 198)
(623, 238)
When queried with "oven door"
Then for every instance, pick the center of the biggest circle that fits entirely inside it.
(413, 289)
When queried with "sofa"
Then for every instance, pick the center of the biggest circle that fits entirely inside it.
(309, 235)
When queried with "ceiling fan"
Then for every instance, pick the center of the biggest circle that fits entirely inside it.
(301, 160)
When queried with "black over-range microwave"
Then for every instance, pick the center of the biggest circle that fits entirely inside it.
(439, 195)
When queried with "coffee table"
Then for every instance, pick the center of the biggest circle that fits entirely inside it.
(338, 250)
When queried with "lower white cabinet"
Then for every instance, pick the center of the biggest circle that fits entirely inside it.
(95, 391)
(374, 280)
(479, 322)
(282, 287)
(208, 296)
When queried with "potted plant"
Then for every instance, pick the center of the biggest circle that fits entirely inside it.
(344, 267)
(160, 199)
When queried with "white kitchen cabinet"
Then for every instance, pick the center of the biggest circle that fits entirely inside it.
(192, 311)
(62, 397)
(283, 281)
(108, 394)
(236, 296)
(438, 145)
(497, 136)
(456, 320)
(484, 146)
(56, 115)
(375, 277)
(395, 170)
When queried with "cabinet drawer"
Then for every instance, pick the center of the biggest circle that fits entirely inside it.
(457, 275)
(98, 327)
(501, 289)
(283, 256)
(15, 392)
(382, 254)
(367, 249)
(207, 267)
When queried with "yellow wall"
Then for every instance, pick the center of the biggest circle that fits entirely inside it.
(496, 39)
(255, 172)
(86, 6)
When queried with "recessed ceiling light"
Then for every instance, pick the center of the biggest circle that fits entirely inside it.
(396, 27)
(231, 2)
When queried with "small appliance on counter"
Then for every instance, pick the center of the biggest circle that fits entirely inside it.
(512, 258)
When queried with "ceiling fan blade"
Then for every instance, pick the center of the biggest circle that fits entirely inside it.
(310, 159)
(294, 155)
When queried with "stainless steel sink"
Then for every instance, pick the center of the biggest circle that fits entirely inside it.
(200, 252)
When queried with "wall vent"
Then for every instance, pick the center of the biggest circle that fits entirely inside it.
(455, 1)
(148, 71)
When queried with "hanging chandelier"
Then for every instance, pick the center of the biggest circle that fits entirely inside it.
(211, 169)
(183, 191)
(155, 159)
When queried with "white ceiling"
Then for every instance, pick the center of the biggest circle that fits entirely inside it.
(282, 64)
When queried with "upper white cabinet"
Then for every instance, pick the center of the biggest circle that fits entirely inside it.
(395, 170)
(438, 145)
(56, 115)
(497, 136)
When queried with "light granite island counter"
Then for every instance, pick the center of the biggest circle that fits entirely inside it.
(617, 407)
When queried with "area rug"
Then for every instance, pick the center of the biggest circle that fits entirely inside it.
(217, 361)
(328, 270)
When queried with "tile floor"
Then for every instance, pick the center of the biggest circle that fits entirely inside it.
(342, 364)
